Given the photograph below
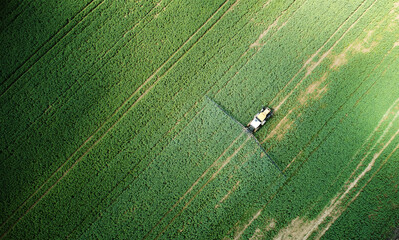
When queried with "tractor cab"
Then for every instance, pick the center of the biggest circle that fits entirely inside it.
(260, 119)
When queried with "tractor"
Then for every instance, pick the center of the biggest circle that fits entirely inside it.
(260, 119)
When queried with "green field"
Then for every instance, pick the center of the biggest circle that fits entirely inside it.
(124, 119)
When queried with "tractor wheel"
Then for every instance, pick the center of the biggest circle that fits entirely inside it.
(250, 129)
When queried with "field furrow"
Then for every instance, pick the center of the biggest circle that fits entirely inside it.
(126, 119)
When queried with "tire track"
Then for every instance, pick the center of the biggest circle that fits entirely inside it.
(268, 188)
(153, 84)
(367, 143)
(323, 231)
(102, 60)
(224, 74)
(257, 214)
(332, 117)
(142, 95)
(62, 166)
(228, 159)
(309, 61)
(73, 90)
(330, 132)
(372, 148)
(152, 76)
(257, 45)
(315, 149)
(314, 136)
(177, 120)
(334, 209)
(232, 143)
(123, 180)
(254, 217)
(176, 124)
(130, 97)
(233, 189)
(194, 184)
(323, 126)
(309, 71)
(199, 99)
(313, 66)
(335, 114)
(172, 56)
(48, 46)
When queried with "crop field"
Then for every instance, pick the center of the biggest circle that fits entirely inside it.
(125, 119)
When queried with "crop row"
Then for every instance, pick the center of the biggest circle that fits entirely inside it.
(105, 152)
(326, 153)
(39, 22)
(46, 140)
(373, 213)
(113, 127)
(79, 56)
(159, 198)
(47, 146)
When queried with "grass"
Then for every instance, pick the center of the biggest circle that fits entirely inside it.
(107, 130)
